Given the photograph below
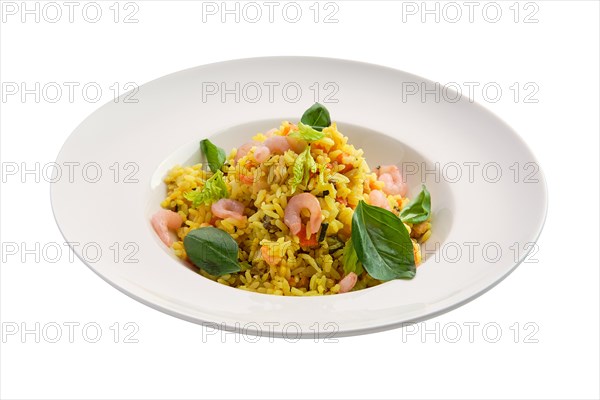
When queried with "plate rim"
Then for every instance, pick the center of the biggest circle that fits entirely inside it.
(436, 311)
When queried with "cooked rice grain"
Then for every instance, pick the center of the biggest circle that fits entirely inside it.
(263, 189)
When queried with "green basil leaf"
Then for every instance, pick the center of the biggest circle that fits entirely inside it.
(382, 243)
(316, 116)
(213, 250)
(214, 189)
(419, 209)
(350, 260)
(215, 156)
(305, 132)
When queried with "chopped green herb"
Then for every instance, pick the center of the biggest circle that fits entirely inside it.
(419, 209)
(213, 190)
(306, 132)
(323, 232)
(303, 166)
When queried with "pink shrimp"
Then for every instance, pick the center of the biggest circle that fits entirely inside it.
(226, 208)
(392, 178)
(298, 203)
(244, 149)
(162, 221)
(281, 144)
(348, 282)
(271, 132)
(297, 145)
(377, 198)
(274, 144)
(277, 144)
(262, 153)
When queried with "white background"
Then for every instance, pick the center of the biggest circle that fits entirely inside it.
(558, 295)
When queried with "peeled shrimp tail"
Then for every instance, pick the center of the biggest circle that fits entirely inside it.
(244, 149)
(392, 178)
(292, 213)
(162, 221)
(348, 282)
(227, 208)
(377, 198)
(277, 144)
(262, 153)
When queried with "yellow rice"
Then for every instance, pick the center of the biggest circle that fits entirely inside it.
(264, 189)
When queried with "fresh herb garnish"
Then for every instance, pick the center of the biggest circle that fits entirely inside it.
(303, 166)
(213, 190)
(324, 227)
(382, 243)
(350, 260)
(317, 117)
(298, 169)
(311, 166)
(419, 209)
(306, 132)
(215, 156)
(212, 250)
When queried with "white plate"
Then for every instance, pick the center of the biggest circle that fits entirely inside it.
(173, 113)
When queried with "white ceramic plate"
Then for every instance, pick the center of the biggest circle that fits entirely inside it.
(478, 210)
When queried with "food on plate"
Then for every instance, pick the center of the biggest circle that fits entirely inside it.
(295, 211)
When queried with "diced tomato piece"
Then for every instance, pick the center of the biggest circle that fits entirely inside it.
(340, 200)
(304, 242)
(286, 130)
(339, 159)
